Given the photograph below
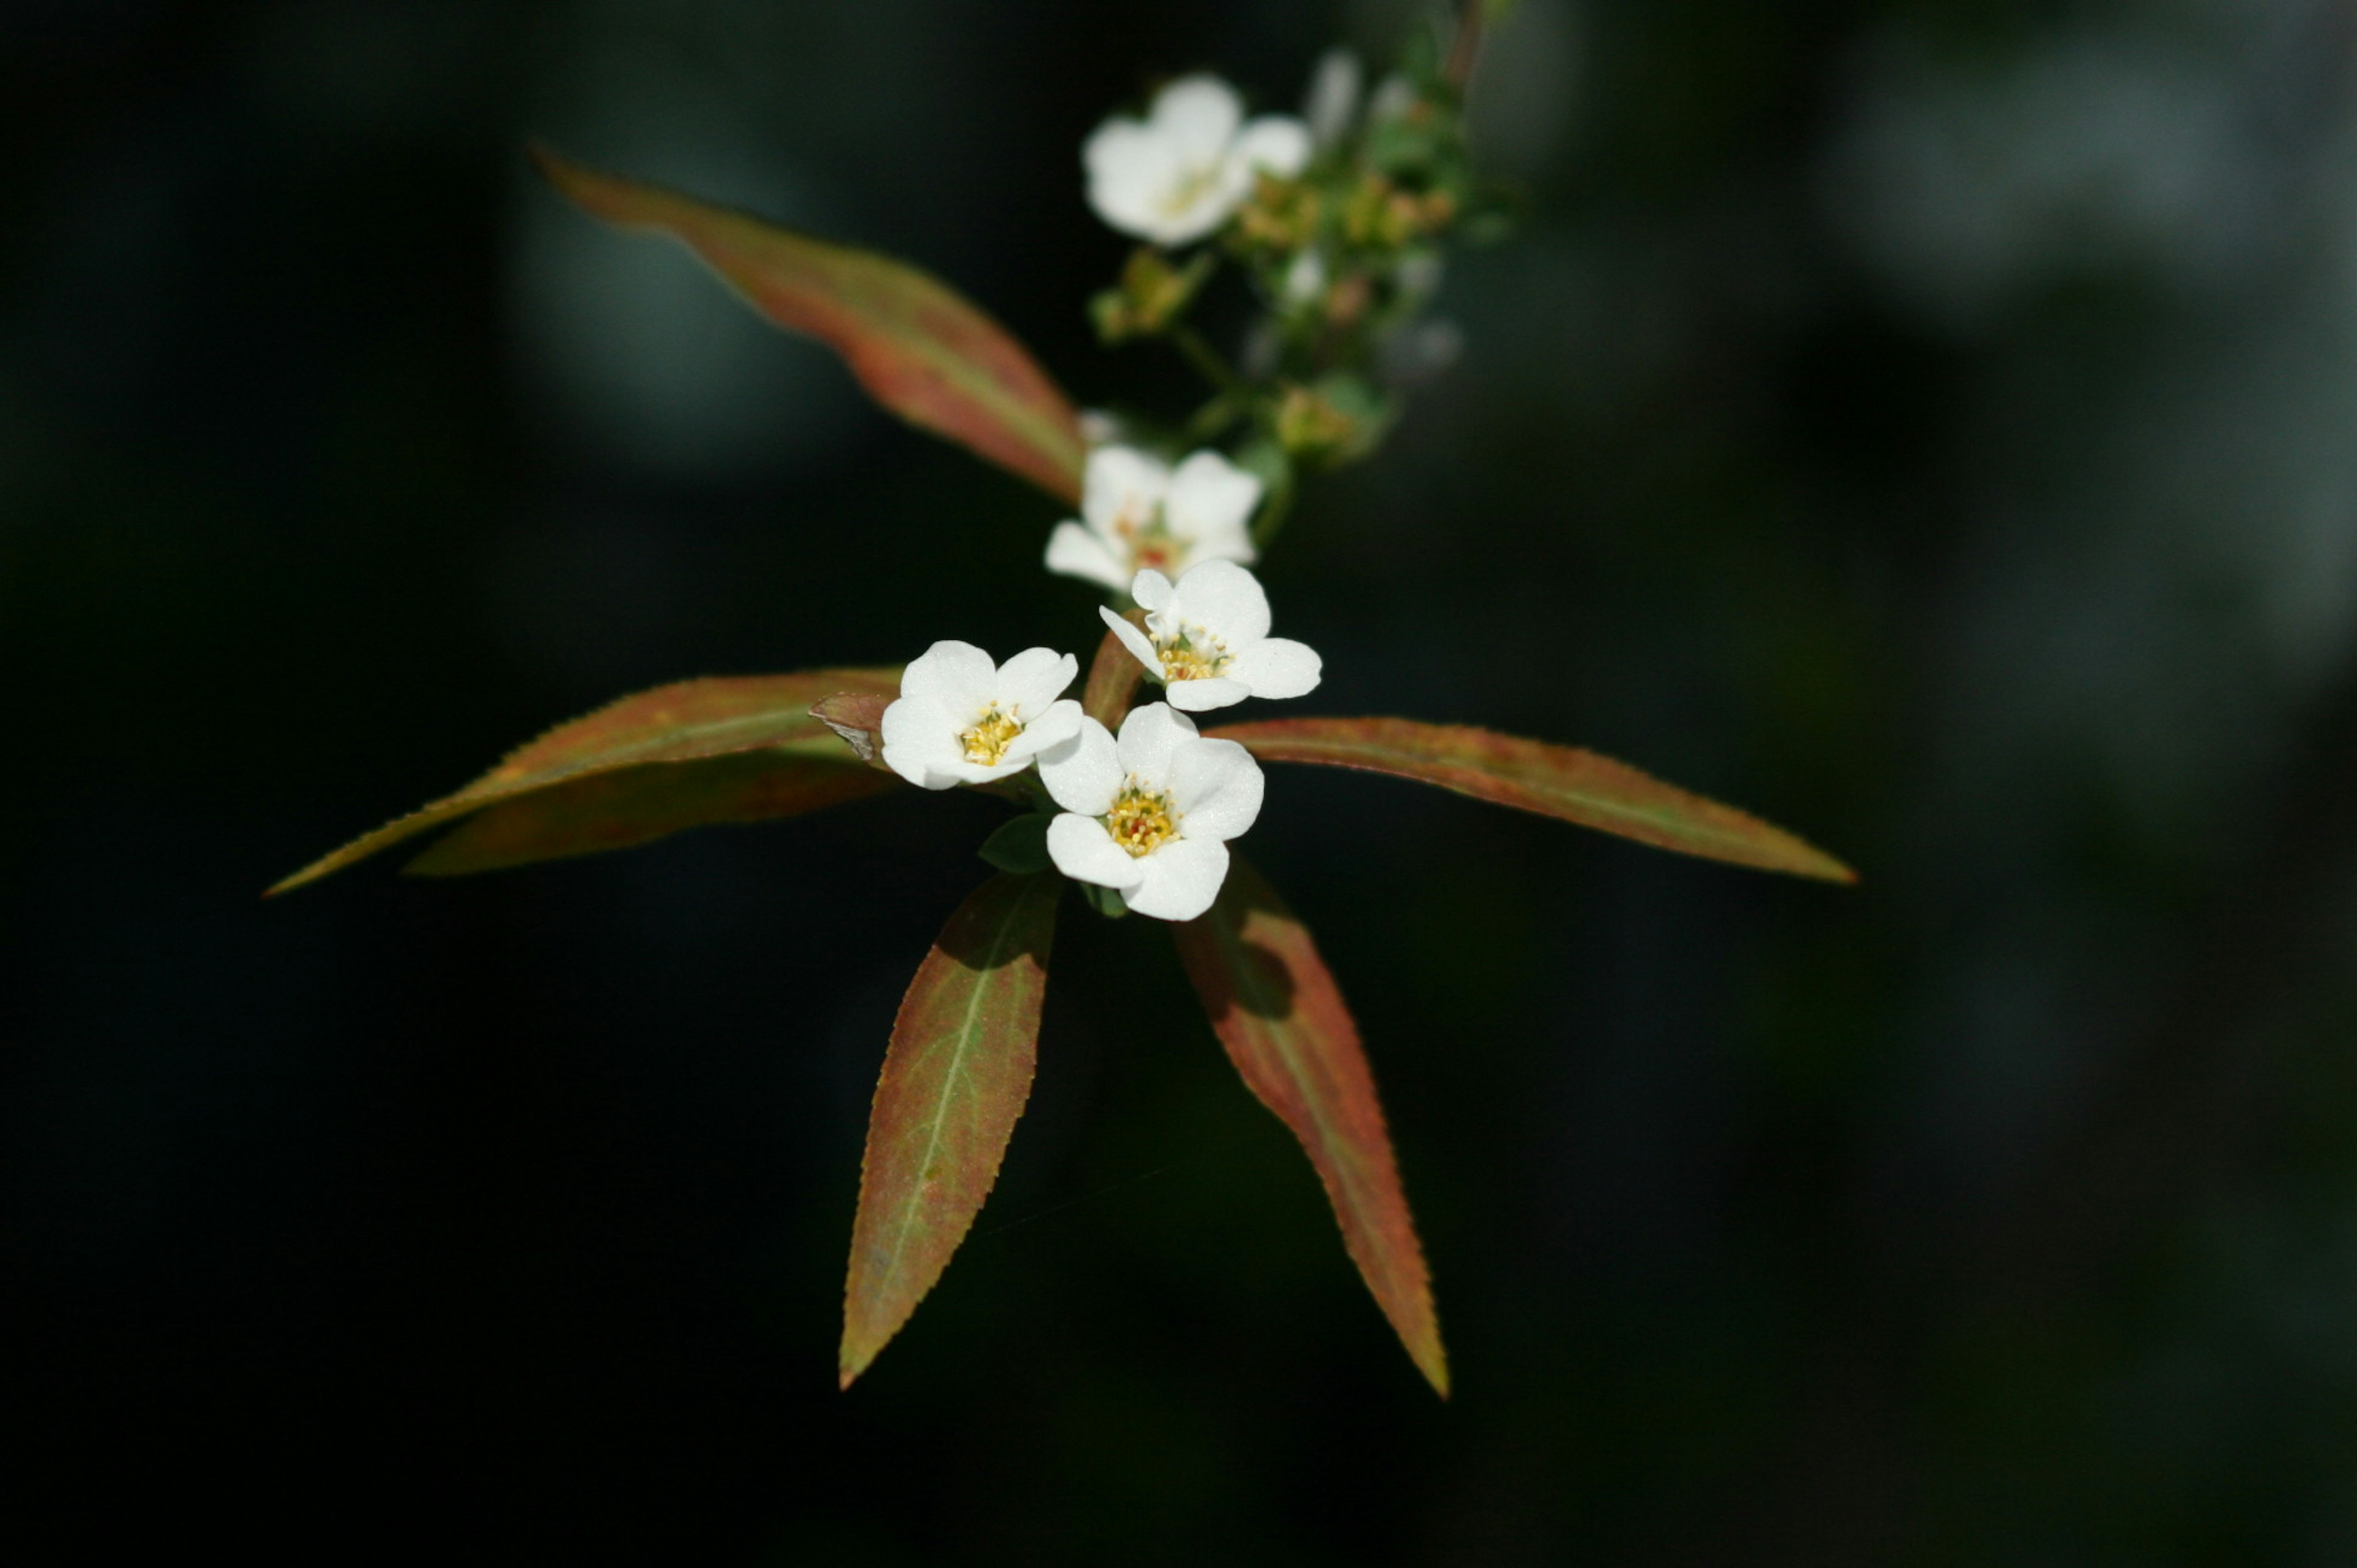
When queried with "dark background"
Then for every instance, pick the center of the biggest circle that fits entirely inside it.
(1926, 423)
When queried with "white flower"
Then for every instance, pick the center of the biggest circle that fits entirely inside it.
(1177, 174)
(1138, 513)
(1150, 813)
(963, 720)
(1207, 640)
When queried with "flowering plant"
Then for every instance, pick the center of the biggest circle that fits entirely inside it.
(1336, 221)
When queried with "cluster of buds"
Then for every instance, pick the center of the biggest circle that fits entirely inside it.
(1335, 219)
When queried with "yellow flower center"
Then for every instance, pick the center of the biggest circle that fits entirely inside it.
(1190, 189)
(1190, 653)
(985, 744)
(1141, 821)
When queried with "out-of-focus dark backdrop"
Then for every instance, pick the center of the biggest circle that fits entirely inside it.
(1927, 423)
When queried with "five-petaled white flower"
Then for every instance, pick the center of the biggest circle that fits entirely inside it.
(1149, 814)
(1207, 640)
(963, 720)
(1177, 174)
(1137, 513)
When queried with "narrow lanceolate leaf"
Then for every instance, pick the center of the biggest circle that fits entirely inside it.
(919, 347)
(1276, 1009)
(956, 1077)
(724, 749)
(1552, 780)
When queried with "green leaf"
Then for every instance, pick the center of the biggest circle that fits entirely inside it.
(637, 769)
(1279, 1014)
(954, 1081)
(919, 347)
(1553, 780)
(1019, 845)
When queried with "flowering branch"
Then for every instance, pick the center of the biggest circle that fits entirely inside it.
(1337, 221)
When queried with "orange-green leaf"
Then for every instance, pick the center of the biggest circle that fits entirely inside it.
(1284, 1022)
(618, 775)
(954, 1080)
(919, 347)
(1535, 776)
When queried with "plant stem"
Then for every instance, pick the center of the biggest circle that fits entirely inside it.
(1465, 47)
(1203, 357)
(1271, 514)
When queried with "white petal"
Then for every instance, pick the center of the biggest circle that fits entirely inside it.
(1278, 667)
(1333, 101)
(1182, 879)
(1212, 500)
(957, 675)
(1056, 722)
(1033, 679)
(1150, 588)
(1149, 738)
(1083, 774)
(1084, 851)
(1121, 482)
(1201, 696)
(1196, 117)
(1277, 143)
(1132, 169)
(1074, 552)
(1216, 787)
(1135, 641)
(958, 771)
(917, 740)
(1225, 600)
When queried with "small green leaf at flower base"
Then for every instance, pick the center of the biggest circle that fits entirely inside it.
(954, 1081)
(1020, 846)
(919, 347)
(1152, 295)
(1105, 901)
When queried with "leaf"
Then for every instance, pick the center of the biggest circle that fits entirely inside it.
(1279, 1012)
(1019, 845)
(1560, 781)
(633, 806)
(561, 794)
(919, 347)
(954, 1080)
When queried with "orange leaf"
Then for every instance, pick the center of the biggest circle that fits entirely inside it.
(1283, 1020)
(617, 777)
(1559, 781)
(919, 347)
(954, 1080)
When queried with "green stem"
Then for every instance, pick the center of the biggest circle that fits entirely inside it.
(1212, 417)
(1271, 514)
(1203, 357)
(1466, 46)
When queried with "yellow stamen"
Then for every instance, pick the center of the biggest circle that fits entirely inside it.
(1190, 653)
(1189, 188)
(1141, 820)
(985, 744)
